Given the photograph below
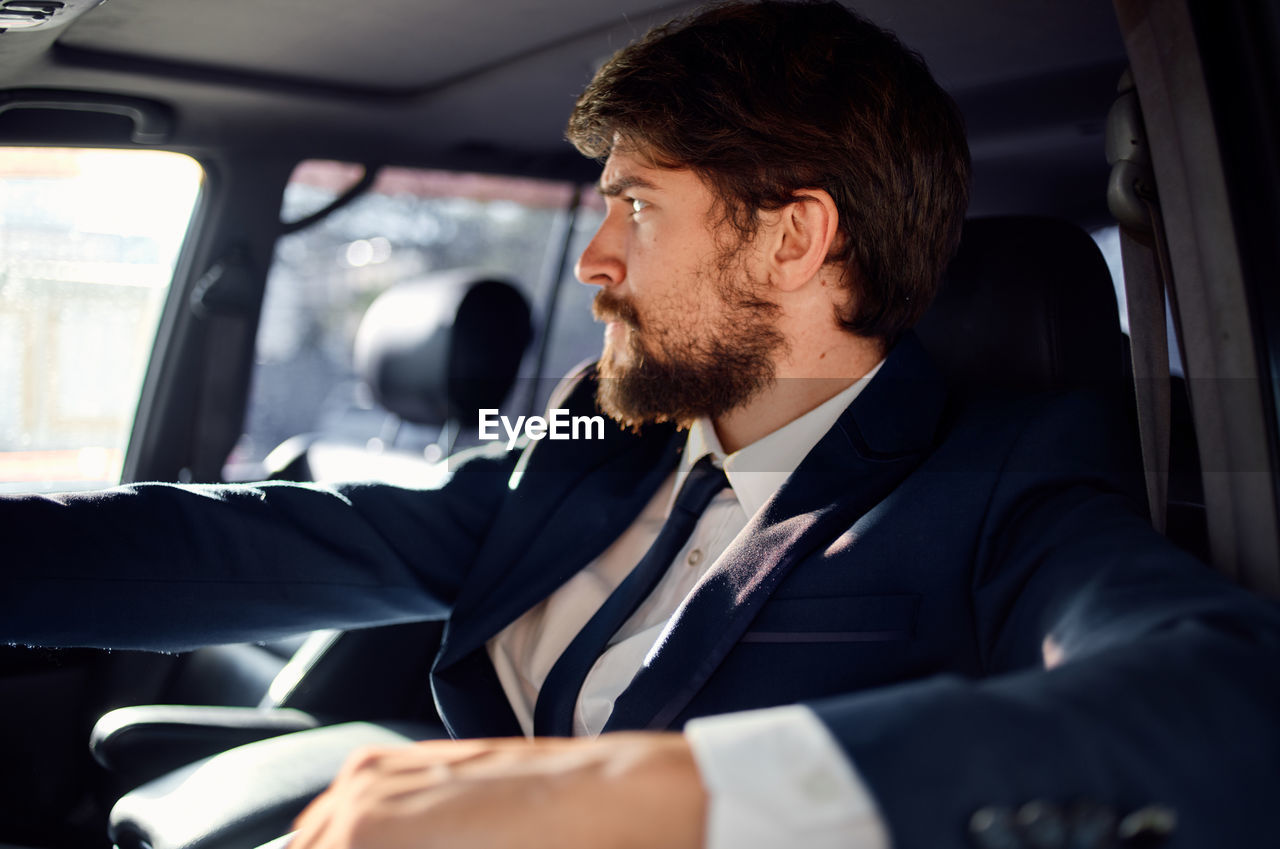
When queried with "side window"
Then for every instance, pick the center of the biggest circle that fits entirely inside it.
(573, 335)
(1108, 241)
(411, 224)
(88, 244)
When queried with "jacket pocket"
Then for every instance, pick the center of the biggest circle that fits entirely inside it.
(840, 619)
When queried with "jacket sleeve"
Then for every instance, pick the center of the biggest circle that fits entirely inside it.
(169, 567)
(1121, 671)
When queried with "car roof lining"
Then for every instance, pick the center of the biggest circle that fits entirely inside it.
(382, 53)
(387, 46)
(484, 91)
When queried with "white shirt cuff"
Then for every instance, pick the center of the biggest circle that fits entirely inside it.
(777, 778)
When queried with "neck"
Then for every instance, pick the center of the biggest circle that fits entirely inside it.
(804, 380)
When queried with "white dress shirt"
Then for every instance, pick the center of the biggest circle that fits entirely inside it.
(775, 777)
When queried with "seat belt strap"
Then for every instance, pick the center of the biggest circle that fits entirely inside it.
(1132, 198)
(1149, 350)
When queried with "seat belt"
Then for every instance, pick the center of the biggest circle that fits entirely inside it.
(1131, 196)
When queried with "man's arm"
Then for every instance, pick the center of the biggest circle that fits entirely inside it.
(168, 567)
(1123, 671)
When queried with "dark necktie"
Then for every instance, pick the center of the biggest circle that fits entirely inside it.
(553, 714)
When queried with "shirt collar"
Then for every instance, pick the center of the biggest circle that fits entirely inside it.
(758, 470)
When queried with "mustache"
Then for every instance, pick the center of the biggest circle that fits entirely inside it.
(610, 307)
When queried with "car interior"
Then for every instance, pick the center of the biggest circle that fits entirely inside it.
(309, 242)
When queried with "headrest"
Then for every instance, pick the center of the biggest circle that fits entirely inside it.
(443, 347)
(1027, 302)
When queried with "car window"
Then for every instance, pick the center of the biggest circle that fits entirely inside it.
(1108, 241)
(88, 244)
(573, 336)
(411, 223)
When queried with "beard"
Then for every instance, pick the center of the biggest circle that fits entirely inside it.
(666, 374)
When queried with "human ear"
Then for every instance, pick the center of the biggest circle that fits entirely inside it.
(803, 233)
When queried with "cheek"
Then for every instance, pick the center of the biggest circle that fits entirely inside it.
(669, 243)
(672, 276)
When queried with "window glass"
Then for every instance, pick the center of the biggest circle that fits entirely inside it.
(409, 225)
(574, 337)
(315, 184)
(1108, 241)
(88, 244)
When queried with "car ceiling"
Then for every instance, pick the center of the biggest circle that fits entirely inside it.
(488, 84)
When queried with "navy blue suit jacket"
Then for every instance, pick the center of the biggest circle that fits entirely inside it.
(905, 582)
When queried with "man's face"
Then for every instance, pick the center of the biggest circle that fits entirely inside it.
(689, 331)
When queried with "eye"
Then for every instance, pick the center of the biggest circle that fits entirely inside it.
(638, 205)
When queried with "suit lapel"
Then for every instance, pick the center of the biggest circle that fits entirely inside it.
(573, 499)
(876, 443)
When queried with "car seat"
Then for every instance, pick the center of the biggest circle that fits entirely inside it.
(1028, 304)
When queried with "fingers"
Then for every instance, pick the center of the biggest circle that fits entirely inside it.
(313, 825)
(372, 781)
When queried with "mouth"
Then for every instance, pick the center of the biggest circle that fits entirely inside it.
(613, 316)
(613, 310)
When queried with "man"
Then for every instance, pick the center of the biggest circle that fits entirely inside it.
(970, 618)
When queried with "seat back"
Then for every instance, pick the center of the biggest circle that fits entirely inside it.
(443, 347)
(1026, 303)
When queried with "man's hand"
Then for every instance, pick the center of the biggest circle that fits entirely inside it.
(618, 791)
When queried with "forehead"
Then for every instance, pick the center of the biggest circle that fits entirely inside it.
(627, 169)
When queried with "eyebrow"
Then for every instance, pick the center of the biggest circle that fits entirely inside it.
(612, 190)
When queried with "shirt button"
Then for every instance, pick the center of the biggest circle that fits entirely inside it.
(695, 557)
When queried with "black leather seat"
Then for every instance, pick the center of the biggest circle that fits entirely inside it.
(1027, 303)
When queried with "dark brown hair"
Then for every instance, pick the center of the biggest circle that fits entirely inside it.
(764, 99)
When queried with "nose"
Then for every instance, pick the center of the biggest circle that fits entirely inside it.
(601, 262)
